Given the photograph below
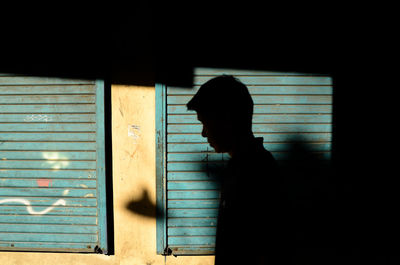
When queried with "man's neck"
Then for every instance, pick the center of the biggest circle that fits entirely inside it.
(242, 144)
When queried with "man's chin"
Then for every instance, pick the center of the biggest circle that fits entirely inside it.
(218, 150)
(215, 149)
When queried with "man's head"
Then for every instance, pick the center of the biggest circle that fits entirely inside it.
(225, 108)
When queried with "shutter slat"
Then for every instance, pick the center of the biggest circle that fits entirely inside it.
(193, 166)
(268, 137)
(46, 99)
(193, 213)
(48, 192)
(189, 204)
(48, 146)
(44, 228)
(47, 155)
(268, 99)
(205, 147)
(189, 176)
(191, 240)
(36, 80)
(258, 128)
(47, 164)
(48, 136)
(192, 222)
(192, 185)
(53, 246)
(29, 237)
(262, 118)
(48, 127)
(192, 194)
(272, 108)
(240, 72)
(274, 80)
(49, 201)
(264, 90)
(193, 157)
(46, 219)
(56, 183)
(71, 211)
(48, 108)
(47, 117)
(48, 173)
(48, 89)
(198, 231)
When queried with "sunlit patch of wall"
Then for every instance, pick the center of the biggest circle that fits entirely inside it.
(133, 129)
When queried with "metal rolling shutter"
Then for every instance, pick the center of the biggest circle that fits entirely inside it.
(52, 181)
(288, 107)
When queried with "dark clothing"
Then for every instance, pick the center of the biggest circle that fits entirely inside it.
(253, 214)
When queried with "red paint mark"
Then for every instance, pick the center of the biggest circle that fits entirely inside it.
(44, 182)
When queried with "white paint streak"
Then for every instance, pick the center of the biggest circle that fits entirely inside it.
(55, 160)
(29, 207)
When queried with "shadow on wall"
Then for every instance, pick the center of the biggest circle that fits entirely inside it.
(310, 187)
(143, 206)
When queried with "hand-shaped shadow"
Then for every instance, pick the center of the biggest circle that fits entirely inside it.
(143, 206)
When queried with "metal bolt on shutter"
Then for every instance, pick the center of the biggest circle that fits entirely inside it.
(287, 107)
(52, 181)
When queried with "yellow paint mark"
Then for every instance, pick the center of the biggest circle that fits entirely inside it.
(65, 192)
(83, 186)
(89, 195)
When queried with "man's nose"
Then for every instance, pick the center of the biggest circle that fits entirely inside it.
(204, 132)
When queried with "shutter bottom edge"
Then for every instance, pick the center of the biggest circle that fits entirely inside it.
(192, 250)
(79, 249)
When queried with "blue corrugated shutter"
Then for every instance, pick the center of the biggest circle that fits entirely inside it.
(287, 107)
(52, 181)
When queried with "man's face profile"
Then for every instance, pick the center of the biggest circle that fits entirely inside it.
(217, 131)
(224, 107)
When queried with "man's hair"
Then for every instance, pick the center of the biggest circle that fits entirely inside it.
(224, 96)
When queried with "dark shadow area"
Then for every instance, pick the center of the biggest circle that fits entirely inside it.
(112, 42)
(108, 166)
(298, 205)
(311, 191)
(146, 42)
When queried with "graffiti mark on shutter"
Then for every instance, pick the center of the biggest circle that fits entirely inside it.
(29, 207)
(37, 117)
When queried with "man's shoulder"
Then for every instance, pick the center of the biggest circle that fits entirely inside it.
(264, 156)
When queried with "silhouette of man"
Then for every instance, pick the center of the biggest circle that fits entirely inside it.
(251, 223)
